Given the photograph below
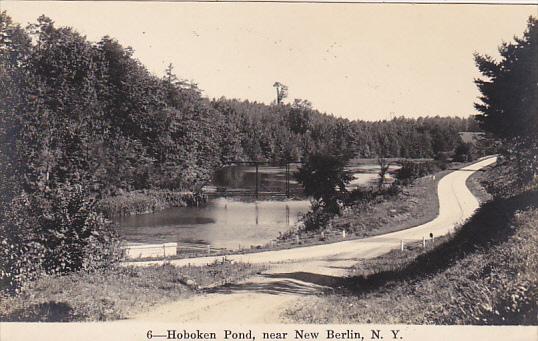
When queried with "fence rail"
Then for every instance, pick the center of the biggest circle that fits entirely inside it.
(189, 250)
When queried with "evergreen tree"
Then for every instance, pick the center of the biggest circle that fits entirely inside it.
(509, 105)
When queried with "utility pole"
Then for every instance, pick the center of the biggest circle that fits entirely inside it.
(257, 186)
(288, 179)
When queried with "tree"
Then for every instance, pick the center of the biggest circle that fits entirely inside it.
(281, 92)
(463, 152)
(509, 100)
(324, 178)
(384, 166)
(299, 119)
(509, 104)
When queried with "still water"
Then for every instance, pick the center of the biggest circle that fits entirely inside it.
(223, 223)
(231, 222)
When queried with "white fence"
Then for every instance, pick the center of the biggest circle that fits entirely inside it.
(150, 250)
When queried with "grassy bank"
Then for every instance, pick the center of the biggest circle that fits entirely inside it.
(148, 201)
(486, 273)
(416, 204)
(475, 183)
(116, 293)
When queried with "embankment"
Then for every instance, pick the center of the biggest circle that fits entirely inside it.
(485, 273)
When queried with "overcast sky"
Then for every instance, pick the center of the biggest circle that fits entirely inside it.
(359, 61)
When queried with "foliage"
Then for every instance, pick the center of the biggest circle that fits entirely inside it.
(281, 92)
(91, 113)
(412, 170)
(508, 106)
(317, 218)
(53, 232)
(324, 178)
(384, 166)
(464, 152)
(280, 133)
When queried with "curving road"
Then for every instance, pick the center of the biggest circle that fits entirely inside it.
(306, 270)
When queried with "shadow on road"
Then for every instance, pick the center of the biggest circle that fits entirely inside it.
(298, 283)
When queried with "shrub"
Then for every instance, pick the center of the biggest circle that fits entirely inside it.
(317, 218)
(54, 231)
(324, 178)
(464, 152)
(412, 170)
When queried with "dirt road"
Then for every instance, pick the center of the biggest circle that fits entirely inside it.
(307, 270)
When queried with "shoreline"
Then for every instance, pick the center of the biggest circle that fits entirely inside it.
(290, 248)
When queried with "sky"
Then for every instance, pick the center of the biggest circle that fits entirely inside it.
(358, 61)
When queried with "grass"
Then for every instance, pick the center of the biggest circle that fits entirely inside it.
(116, 293)
(486, 273)
(474, 183)
(416, 204)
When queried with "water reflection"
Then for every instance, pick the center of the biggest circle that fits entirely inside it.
(224, 223)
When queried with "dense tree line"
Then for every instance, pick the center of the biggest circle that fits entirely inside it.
(91, 113)
(278, 133)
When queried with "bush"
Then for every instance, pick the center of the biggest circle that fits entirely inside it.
(317, 218)
(324, 178)
(54, 231)
(464, 152)
(412, 170)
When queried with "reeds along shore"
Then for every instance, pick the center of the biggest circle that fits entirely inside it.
(149, 201)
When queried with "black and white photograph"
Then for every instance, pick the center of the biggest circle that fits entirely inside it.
(205, 170)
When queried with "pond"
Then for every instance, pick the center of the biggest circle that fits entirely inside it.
(234, 222)
(223, 223)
